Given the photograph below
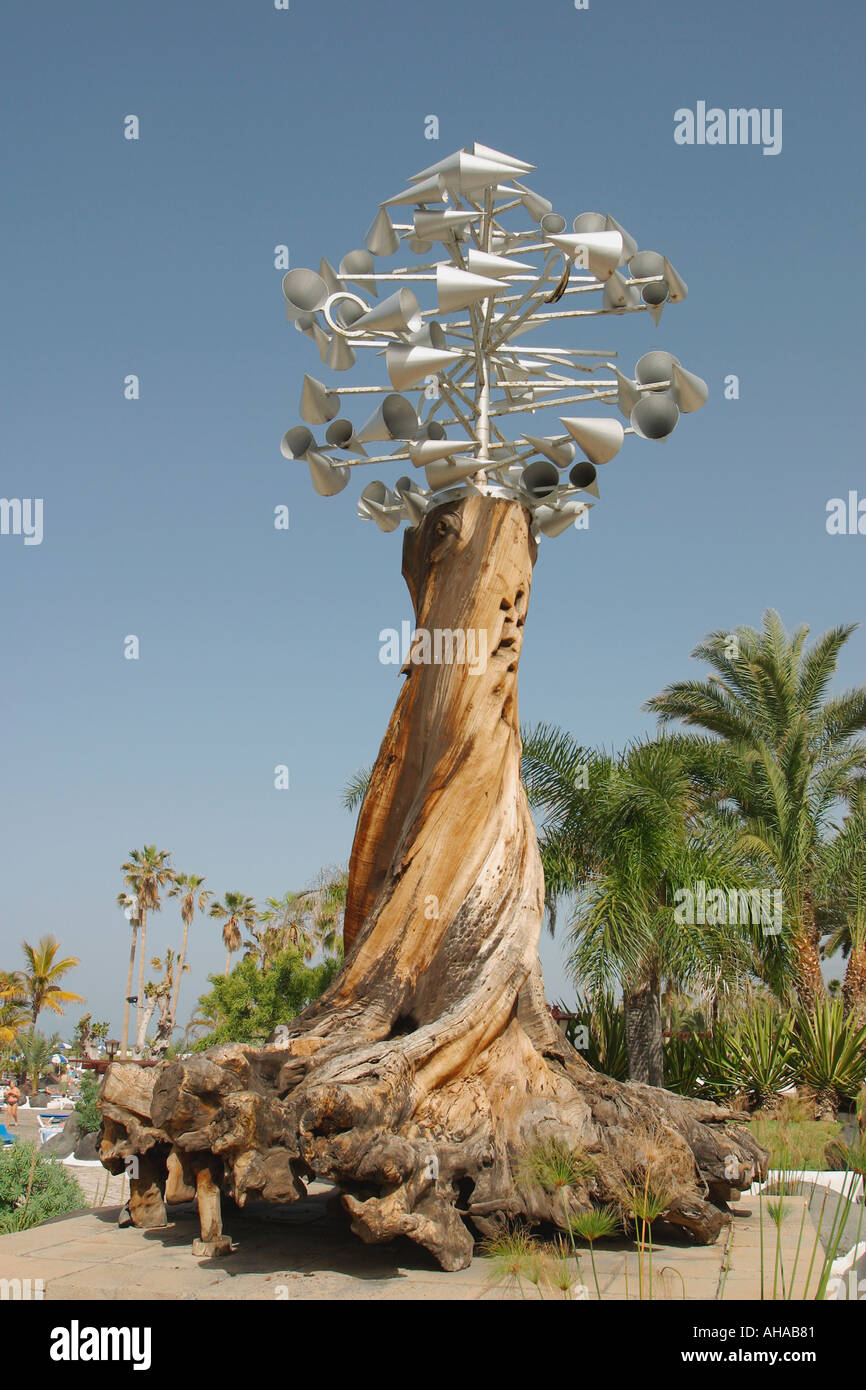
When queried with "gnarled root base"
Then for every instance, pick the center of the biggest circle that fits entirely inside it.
(440, 1167)
(430, 1070)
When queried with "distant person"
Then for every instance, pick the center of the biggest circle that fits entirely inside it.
(13, 1095)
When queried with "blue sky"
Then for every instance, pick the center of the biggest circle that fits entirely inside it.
(156, 257)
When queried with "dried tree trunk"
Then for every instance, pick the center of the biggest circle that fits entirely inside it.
(431, 1067)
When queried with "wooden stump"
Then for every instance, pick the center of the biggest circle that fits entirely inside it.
(431, 1067)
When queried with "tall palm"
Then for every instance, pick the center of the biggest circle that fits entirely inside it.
(189, 889)
(235, 911)
(624, 835)
(145, 874)
(42, 974)
(842, 886)
(787, 752)
(129, 904)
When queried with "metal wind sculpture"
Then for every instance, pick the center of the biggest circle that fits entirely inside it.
(421, 1083)
(492, 285)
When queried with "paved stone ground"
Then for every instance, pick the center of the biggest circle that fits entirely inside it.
(307, 1251)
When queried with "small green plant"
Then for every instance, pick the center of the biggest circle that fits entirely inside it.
(554, 1166)
(514, 1258)
(591, 1225)
(86, 1107)
(33, 1189)
(645, 1201)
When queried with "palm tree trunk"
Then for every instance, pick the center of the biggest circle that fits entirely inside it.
(228, 962)
(643, 1032)
(808, 980)
(142, 963)
(854, 985)
(129, 974)
(180, 965)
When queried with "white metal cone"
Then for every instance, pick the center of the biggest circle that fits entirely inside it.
(414, 499)
(619, 295)
(328, 478)
(318, 404)
(464, 172)
(497, 157)
(330, 277)
(559, 452)
(399, 312)
(535, 205)
(386, 518)
(424, 451)
(553, 521)
(436, 226)
(600, 440)
(381, 239)
(629, 245)
(359, 262)
(689, 391)
(297, 442)
(500, 267)
(340, 356)
(603, 249)
(457, 289)
(425, 191)
(408, 365)
(677, 286)
(416, 505)
(442, 475)
(395, 418)
(656, 313)
(304, 292)
(627, 395)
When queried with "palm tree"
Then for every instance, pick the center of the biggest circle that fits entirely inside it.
(285, 925)
(842, 885)
(129, 904)
(787, 753)
(235, 911)
(627, 836)
(36, 1053)
(145, 873)
(310, 920)
(42, 975)
(187, 887)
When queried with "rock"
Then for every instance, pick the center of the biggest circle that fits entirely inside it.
(87, 1148)
(65, 1142)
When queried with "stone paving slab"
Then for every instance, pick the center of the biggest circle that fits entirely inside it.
(307, 1252)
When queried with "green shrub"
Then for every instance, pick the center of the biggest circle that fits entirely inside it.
(86, 1107)
(606, 1049)
(830, 1055)
(250, 1002)
(54, 1191)
(760, 1055)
